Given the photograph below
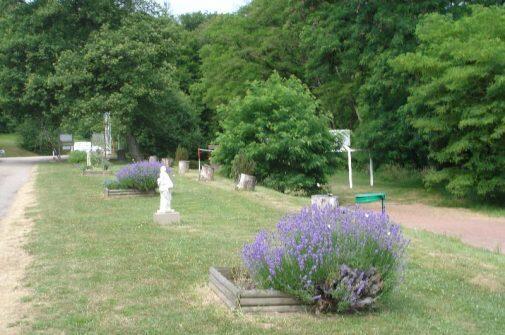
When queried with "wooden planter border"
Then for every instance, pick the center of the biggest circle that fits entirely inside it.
(250, 301)
(96, 173)
(127, 193)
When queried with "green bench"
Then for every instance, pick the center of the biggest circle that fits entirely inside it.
(371, 197)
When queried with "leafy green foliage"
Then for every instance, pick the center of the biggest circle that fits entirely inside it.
(347, 44)
(33, 34)
(37, 136)
(277, 126)
(181, 154)
(243, 47)
(457, 104)
(137, 84)
(242, 164)
(77, 157)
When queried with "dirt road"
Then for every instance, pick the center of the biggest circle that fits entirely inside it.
(16, 196)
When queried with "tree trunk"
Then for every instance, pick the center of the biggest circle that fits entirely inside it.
(133, 147)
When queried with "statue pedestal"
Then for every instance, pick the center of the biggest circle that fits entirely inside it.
(166, 218)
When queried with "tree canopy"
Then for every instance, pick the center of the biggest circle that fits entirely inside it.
(170, 81)
(457, 102)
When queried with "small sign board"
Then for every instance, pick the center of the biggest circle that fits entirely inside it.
(82, 146)
(66, 138)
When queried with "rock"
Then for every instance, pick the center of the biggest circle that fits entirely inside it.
(207, 173)
(246, 182)
(324, 200)
(183, 167)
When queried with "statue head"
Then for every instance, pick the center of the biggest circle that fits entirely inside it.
(163, 169)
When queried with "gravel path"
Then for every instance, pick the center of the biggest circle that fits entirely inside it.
(472, 228)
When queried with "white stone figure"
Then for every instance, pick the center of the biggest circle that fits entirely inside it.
(165, 186)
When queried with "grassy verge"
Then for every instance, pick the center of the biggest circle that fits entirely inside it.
(102, 267)
(10, 143)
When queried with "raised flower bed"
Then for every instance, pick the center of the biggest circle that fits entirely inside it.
(250, 300)
(136, 179)
(333, 259)
(126, 192)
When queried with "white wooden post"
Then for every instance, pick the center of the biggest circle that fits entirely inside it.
(371, 171)
(350, 166)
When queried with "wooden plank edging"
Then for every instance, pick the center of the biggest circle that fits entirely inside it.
(251, 301)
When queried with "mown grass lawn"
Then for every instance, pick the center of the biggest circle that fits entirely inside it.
(103, 267)
(10, 143)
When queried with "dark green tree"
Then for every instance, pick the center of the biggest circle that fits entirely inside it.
(457, 102)
(347, 45)
(129, 72)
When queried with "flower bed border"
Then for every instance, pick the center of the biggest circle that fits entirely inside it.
(251, 301)
(127, 193)
(96, 173)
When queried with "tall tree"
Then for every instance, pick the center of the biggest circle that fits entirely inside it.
(33, 35)
(129, 72)
(458, 101)
(243, 47)
(347, 46)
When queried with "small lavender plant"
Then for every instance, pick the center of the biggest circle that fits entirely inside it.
(330, 253)
(141, 176)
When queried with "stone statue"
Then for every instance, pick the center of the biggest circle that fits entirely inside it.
(165, 186)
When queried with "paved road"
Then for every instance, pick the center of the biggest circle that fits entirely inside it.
(14, 173)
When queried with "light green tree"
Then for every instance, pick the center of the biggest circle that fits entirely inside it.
(277, 126)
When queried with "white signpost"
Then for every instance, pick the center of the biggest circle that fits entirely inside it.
(345, 135)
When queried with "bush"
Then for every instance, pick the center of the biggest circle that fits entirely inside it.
(99, 161)
(140, 176)
(37, 137)
(112, 184)
(181, 154)
(242, 164)
(277, 126)
(77, 157)
(344, 259)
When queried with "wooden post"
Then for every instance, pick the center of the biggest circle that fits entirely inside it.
(349, 166)
(371, 170)
(199, 165)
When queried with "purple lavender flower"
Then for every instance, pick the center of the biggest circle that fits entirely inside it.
(141, 176)
(309, 247)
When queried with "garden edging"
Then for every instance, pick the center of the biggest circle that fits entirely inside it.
(253, 300)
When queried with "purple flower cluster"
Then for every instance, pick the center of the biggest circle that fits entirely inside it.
(307, 247)
(141, 176)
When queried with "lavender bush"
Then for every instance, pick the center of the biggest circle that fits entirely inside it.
(140, 176)
(341, 258)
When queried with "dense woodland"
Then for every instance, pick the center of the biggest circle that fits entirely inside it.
(420, 83)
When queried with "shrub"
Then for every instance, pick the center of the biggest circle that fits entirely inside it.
(112, 184)
(242, 164)
(181, 154)
(140, 176)
(99, 161)
(343, 259)
(276, 125)
(37, 137)
(77, 157)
